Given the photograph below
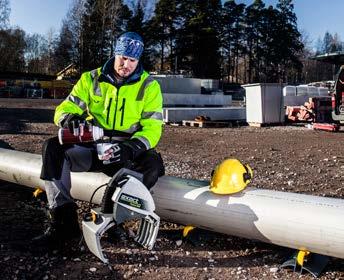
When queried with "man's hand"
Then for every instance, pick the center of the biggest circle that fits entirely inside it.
(117, 153)
(120, 153)
(76, 124)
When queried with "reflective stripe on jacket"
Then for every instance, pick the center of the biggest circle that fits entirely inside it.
(134, 108)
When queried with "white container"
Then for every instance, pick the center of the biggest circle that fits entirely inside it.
(289, 91)
(179, 85)
(196, 100)
(313, 91)
(210, 84)
(214, 113)
(295, 100)
(301, 90)
(323, 91)
(264, 103)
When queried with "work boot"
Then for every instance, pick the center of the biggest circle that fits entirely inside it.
(63, 227)
(70, 225)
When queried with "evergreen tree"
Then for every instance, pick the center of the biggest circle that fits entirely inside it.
(198, 38)
(290, 45)
(94, 36)
(270, 53)
(253, 23)
(138, 24)
(257, 43)
(233, 32)
(330, 43)
(327, 41)
(162, 28)
(98, 30)
(318, 46)
(64, 48)
(12, 47)
(119, 15)
(337, 45)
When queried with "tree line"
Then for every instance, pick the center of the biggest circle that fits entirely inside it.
(200, 38)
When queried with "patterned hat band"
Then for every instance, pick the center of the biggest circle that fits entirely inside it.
(129, 47)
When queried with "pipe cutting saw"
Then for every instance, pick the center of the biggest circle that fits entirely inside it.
(125, 198)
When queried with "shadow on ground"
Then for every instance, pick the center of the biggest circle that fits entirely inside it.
(15, 120)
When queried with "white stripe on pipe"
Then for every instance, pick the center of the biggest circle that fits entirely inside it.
(196, 193)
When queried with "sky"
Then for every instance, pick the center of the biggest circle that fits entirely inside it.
(315, 17)
(38, 16)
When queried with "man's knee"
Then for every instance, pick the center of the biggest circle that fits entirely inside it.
(151, 165)
(52, 157)
(51, 145)
(150, 178)
(157, 163)
(80, 158)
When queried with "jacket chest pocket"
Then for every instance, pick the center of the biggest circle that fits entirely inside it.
(96, 102)
(129, 111)
(101, 102)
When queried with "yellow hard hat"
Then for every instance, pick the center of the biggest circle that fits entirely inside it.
(230, 176)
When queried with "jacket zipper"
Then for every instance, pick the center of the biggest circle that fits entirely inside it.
(114, 121)
(122, 109)
(108, 111)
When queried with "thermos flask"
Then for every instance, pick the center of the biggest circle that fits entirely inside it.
(90, 134)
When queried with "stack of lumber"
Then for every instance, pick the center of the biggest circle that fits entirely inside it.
(316, 109)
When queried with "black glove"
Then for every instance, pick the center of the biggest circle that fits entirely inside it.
(75, 123)
(124, 152)
(121, 154)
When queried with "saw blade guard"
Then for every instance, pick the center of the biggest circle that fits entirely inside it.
(93, 230)
(134, 201)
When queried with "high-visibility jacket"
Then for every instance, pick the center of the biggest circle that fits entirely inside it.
(134, 108)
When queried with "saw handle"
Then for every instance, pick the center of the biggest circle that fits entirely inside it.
(117, 181)
(107, 203)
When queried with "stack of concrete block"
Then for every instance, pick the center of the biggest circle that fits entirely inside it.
(298, 95)
(183, 100)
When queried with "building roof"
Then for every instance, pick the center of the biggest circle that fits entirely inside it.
(64, 70)
(336, 58)
(28, 76)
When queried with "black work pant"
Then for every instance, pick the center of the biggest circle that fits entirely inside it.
(60, 160)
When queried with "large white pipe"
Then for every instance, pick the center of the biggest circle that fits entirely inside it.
(292, 220)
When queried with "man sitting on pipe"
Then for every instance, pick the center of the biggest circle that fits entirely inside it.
(122, 100)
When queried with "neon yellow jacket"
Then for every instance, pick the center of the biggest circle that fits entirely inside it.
(134, 108)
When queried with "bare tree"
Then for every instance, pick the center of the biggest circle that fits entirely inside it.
(36, 47)
(5, 11)
(116, 13)
(49, 55)
(74, 21)
(111, 11)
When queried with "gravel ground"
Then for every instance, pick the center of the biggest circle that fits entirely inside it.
(285, 158)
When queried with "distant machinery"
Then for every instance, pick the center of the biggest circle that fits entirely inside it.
(335, 58)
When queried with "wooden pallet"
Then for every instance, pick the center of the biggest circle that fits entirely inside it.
(207, 123)
(173, 123)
